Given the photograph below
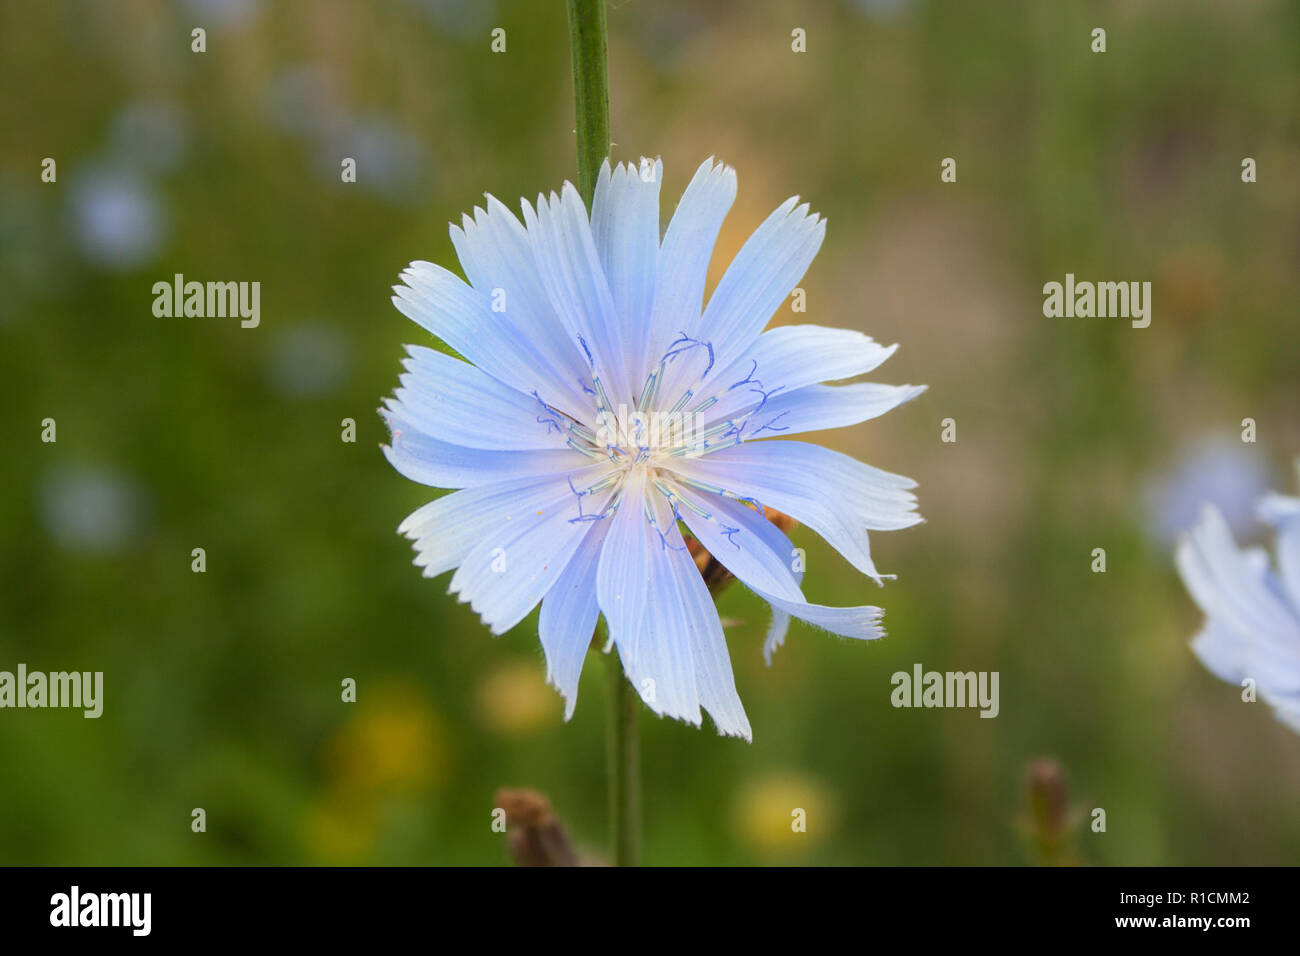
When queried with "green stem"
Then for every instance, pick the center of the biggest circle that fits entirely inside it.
(624, 764)
(587, 40)
(590, 90)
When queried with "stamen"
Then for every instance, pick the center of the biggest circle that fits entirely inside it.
(603, 406)
(722, 428)
(681, 402)
(704, 486)
(716, 490)
(609, 508)
(583, 342)
(651, 389)
(694, 451)
(687, 343)
(748, 379)
(583, 432)
(675, 499)
(548, 418)
(770, 426)
(722, 445)
(605, 482)
(587, 450)
(663, 537)
(766, 395)
(706, 404)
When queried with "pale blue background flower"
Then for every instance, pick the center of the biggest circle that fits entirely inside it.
(880, 9)
(1215, 470)
(223, 13)
(118, 221)
(457, 17)
(391, 162)
(301, 99)
(1252, 627)
(594, 315)
(95, 510)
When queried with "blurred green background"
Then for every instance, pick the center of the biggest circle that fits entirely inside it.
(222, 689)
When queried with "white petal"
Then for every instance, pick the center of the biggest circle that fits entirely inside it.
(625, 229)
(461, 316)
(834, 495)
(508, 572)
(497, 256)
(575, 283)
(759, 554)
(788, 358)
(569, 615)
(462, 405)
(685, 252)
(764, 272)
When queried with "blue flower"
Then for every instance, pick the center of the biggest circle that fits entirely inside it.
(1252, 627)
(603, 406)
(1217, 470)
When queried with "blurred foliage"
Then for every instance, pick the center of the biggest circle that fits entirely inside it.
(223, 688)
